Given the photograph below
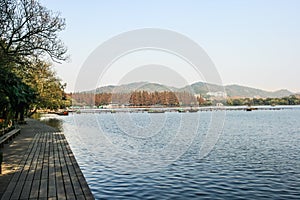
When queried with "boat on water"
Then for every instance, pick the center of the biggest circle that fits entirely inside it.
(193, 110)
(156, 111)
(63, 113)
(181, 110)
(250, 108)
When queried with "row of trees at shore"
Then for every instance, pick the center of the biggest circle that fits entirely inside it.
(28, 41)
(170, 99)
(139, 98)
(290, 100)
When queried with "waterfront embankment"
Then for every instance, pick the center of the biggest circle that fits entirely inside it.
(40, 164)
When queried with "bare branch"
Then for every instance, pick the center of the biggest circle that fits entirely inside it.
(29, 29)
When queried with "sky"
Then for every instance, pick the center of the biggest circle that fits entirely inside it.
(252, 43)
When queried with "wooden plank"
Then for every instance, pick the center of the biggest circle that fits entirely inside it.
(34, 193)
(80, 180)
(38, 171)
(75, 182)
(11, 186)
(59, 180)
(33, 165)
(43, 188)
(45, 171)
(26, 190)
(68, 172)
(85, 188)
(68, 187)
(17, 174)
(32, 169)
(74, 179)
(52, 187)
(24, 173)
(52, 198)
(76, 186)
(6, 195)
(60, 189)
(42, 198)
(17, 190)
(80, 197)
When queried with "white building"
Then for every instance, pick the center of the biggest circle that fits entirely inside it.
(217, 94)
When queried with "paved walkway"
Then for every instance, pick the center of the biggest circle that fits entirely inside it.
(46, 169)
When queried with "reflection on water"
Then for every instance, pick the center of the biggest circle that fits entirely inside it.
(50, 119)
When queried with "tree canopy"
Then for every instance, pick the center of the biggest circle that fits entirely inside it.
(290, 100)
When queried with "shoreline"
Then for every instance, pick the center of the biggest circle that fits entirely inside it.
(180, 109)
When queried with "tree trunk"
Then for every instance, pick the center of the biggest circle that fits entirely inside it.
(22, 113)
(32, 112)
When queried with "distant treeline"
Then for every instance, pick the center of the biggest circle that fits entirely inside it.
(290, 100)
(139, 98)
(171, 99)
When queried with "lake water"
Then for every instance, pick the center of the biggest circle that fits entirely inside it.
(255, 155)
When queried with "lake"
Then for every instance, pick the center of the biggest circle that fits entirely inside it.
(203, 155)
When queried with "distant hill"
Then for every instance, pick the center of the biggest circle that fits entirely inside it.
(197, 88)
(126, 88)
(203, 88)
(243, 91)
(138, 86)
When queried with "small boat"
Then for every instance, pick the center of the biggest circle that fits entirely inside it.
(193, 110)
(181, 110)
(156, 111)
(62, 113)
(250, 109)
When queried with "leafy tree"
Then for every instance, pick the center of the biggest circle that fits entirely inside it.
(16, 95)
(28, 33)
(42, 78)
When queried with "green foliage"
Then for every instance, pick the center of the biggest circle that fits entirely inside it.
(290, 100)
(28, 32)
(50, 92)
(16, 96)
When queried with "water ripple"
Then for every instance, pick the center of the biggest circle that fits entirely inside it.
(257, 157)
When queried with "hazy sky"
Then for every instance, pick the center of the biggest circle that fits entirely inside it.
(254, 43)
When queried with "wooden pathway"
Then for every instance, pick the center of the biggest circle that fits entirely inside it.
(48, 170)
